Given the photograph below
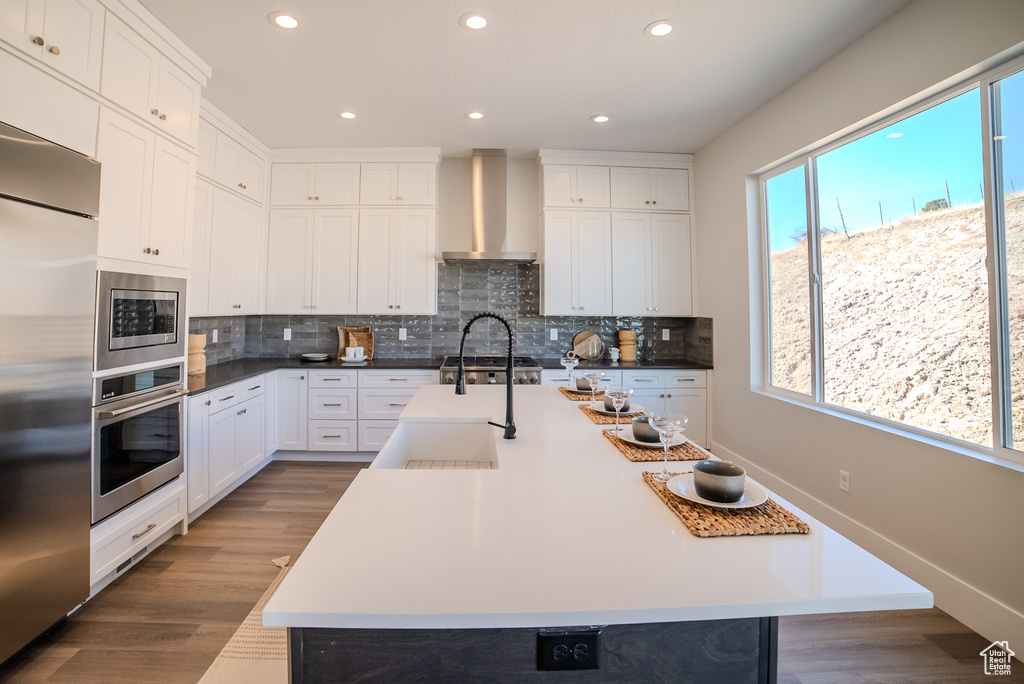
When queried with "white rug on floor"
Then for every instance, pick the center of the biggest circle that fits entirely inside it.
(255, 654)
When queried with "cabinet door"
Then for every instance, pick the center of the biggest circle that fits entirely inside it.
(291, 409)
(559, 185)
(671, 273)
(234, 242)
(378, 184)
(177, 103)
(558, 270)
(652, 400)
(670, 189)
(594, 262)
(417, 184)
(334, 261)
(415, 273)
(631, 188)
(250, 175)
(290, 261)
(226, 161)
(170, 228)
(221, 452)
(131, 68)
(292, 184)
(693, 405)
(592, 186)
(333, 435)
(374, 292)
(20, 22)
(222, 226)
(337, 184)
(245, 258)
(198, 481)
(332, 404)
(125, 149)
(199, 271)
(249, 449)
(631, 265)
(270, 418)
(73, 35)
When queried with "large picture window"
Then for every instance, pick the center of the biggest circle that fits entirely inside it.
(878, 297)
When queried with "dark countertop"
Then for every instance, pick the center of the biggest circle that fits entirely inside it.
(221, 374)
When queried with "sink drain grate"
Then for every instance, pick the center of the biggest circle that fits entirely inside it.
(448, 465)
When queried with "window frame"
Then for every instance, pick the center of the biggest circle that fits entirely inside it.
(999, 367)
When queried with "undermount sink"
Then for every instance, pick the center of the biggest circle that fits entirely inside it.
(440, 446)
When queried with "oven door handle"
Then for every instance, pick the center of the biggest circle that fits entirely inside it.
(106, 415)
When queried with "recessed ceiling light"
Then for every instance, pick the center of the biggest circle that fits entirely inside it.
(347, 115)
(599, 118)
(473, 20)
(283, 19)
(894, 135)
(475, 115)
(659, 28)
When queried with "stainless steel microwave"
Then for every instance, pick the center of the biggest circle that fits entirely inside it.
(139, 319)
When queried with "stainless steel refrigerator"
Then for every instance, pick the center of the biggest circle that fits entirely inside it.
(48, 196)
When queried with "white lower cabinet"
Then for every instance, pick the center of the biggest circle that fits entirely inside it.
(292, 405)
(331, 412)
(332, 435)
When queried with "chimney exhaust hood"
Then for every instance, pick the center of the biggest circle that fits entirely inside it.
(490, 213)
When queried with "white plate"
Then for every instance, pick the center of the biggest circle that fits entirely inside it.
(600, 390)
(633, 408)
(314, 357)
(353, 359)
(682, 485)
(626, 435)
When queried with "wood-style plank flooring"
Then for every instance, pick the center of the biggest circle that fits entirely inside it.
(167, 619)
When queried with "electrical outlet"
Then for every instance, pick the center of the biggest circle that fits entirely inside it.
(664, 334)
(569, 650)
(844, 481)
(401, 333)
(213, 337)
(287, 333)
(554, 334)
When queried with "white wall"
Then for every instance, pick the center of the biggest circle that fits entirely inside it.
(455, 205)
(949, 521)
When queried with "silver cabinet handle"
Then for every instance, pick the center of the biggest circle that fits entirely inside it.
(332, 379)
(332, 404)
(38, 40)
(405, 404)
(253, 389)
(230, 396)
(241, 412)
(54, 49)
(643, 379)
(686, 379)
(398, 379)
(149, 528)
(582, 308)
(661, 396)
(332, 436)
(668, 396)
(207, 402)
(156, 251)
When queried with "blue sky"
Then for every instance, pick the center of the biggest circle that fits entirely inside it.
(902, 166)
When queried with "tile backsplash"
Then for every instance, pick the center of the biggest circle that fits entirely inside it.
(510, 290)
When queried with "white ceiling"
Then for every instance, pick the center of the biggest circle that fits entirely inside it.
(539, 71)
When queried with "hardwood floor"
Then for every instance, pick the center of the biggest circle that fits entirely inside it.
(167, 619)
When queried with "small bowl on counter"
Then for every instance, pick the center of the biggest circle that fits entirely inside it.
(643, 431)
(720, 481)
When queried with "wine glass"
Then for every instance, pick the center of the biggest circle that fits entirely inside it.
(593, 376)
(618, 395)
(569, 363)
(668, 427)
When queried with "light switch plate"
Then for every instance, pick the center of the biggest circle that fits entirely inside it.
(664, 333)
(401, 334)
(287, 333)
(213, 336)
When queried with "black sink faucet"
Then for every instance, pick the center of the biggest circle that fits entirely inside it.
(460, 382)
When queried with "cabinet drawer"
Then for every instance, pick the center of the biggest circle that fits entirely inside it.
(687, 379)
(225, 397)
(253, 387)
(332, 435)
(332, 379)
(336, 404)
(374, 433)
(383, 402)
(641, 379)
(128, 532)
(398, 378)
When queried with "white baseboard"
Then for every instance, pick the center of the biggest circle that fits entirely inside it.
(984, 614)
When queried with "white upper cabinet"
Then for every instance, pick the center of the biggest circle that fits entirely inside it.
(237, 168)
(577, 269)
(64, 34)
(199, 272)
(655, 189)
(314, 184)
(312, 261)
(410, 184)
(136, 76)
(397, 261)
(146, 192)
(579, 187)
(234, 255)
(651, 264)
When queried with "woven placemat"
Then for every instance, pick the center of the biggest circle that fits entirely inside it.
(602, 419)
(686, 451)
(709, 521)
(577, 396)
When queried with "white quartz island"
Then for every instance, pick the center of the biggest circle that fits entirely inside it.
(564, 532)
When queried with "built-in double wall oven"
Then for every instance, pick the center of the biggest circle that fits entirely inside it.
(139, 389)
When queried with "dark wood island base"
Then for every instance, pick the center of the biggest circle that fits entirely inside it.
(737, 651)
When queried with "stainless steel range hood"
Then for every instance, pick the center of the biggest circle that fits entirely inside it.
(490, 213)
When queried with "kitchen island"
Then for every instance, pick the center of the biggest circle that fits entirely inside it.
(442, 574)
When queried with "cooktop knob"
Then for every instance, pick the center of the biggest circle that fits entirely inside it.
(534, 379)
(449, 378)
(471, 379)
(491, 380)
